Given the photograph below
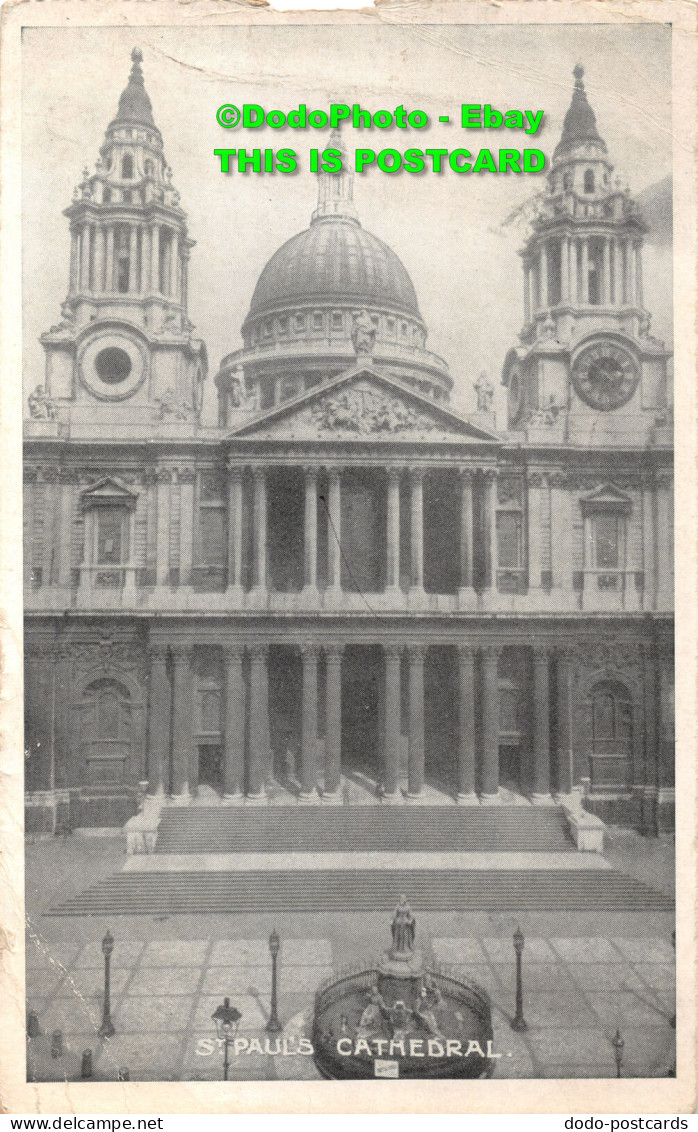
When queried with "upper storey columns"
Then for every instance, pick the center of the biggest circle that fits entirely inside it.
(127, 257)
(249, 547)
(595, 269)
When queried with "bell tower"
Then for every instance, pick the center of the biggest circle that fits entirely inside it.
(124, 353)
(587, 366)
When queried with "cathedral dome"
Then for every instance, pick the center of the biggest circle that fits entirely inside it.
(335, 261)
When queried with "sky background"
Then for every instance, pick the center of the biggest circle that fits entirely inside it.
(450, 231)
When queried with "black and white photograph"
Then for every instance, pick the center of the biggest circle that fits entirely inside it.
(348, 553)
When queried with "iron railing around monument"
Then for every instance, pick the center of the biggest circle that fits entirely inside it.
(354, 977)
(452, 981)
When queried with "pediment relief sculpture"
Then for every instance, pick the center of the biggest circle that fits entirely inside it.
(364, 412)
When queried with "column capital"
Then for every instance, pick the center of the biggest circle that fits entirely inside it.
(163, 475)
(536, 479)
(310, 650)
(393, 651)
(186, 475)
(466, 475)
(233, 653)
(41, 650)
(491, 653)
(258, 651)
(333, 653)
(563, 654)
(311, 471)
(259, 471)
(181, 654)
(541, 654)
(393, 473)
(490, 474)
(648, 650)
(416, 652)
(158, 651)
(466, 652)
(234, 469)
(417, 474)
(334, 470)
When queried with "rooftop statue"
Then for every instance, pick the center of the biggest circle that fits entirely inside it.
(41, 407)
(363, 335)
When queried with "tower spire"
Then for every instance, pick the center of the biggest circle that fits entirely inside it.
(336, 190)
(580, 121)
(134, 105)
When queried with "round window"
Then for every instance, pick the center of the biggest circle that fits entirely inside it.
(113, 365)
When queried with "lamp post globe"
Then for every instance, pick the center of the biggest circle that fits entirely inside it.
(106, 1030)
(227, 1019)
(274, 1026)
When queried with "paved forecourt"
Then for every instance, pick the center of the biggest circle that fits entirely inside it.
(577, 991)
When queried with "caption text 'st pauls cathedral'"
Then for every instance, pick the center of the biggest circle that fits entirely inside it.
(345, 590)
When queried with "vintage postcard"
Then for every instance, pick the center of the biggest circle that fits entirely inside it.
(348, 745)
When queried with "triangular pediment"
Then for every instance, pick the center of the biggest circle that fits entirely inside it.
(362, 404)
(108, 490)
(607, 497)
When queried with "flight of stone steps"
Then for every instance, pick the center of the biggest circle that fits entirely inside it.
(188, 873)
(516, 891)
(318, 829)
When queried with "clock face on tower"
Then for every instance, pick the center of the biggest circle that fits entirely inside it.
(605, 376)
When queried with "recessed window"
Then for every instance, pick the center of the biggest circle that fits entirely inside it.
(509, 546)
(403, 327)
(390, 325)
(106, 196)
(336, 320)
(317, 320)
(128, 197)
(607, 541)
(111, 536)
(148, 168)
(283, 326)
(266, 329)
(589, 181)
(113, 365)
(127, 167)
(300, 322)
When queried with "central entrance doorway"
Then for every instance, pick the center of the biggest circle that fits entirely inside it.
(361, 713)
(211, 766)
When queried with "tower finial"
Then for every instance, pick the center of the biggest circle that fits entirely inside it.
(578, 73)
(137, 55)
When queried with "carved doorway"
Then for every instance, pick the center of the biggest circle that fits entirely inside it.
(106, 733)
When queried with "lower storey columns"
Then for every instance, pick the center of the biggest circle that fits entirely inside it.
(563, 722)
(259, 723)
(234, 735)
(541, 726)
(182, 739)
(333, 721)
(160, 708)
(490, 725)
(466, 725)
(308, 775)
(415, 748)
(393, 701)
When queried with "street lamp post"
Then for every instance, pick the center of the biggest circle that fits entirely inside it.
(618, 1045)
(227, 1019)
(106, 1030)
(273, 1025)
(518, 1022)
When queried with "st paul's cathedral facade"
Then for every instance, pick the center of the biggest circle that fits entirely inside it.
(345, 591)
